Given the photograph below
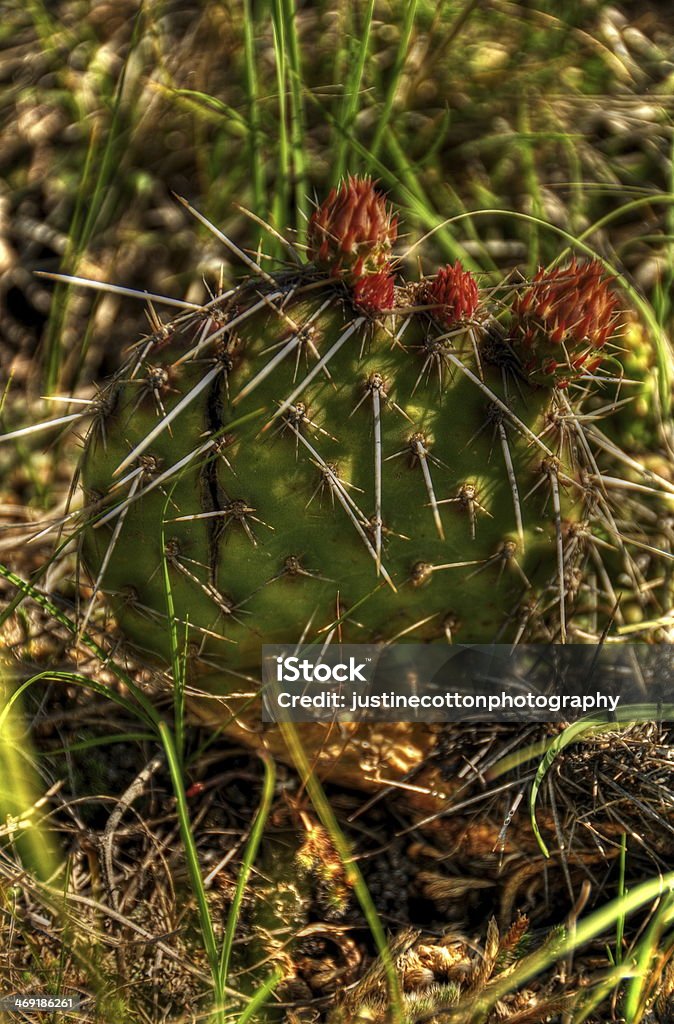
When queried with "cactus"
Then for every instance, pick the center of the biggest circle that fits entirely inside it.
(332, 451)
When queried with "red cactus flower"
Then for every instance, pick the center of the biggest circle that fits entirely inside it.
(562, 321)
(374, 293)
(353, 230)
(454, 294)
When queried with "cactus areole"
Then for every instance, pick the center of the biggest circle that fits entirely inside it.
(334, 452)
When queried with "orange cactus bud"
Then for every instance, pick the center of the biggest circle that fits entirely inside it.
(353, 230)
(454, 294)
(561, 321)
(374, 293)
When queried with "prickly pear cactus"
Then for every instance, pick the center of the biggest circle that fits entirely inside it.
(335, 452)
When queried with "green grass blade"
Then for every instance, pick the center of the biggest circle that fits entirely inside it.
(191, 855)
(296, 118)
(178, 657)
(99, 741)
(255, 155)
(280, 208)
(384, 116)
(88, 209)
(352, 95)
(20, 788)
(249, 856)
(73, 679)
(620, 923)
(649, 947)
(209, 107)
(423, 208)
(528, 158)
(260, 998)
(61, 298)
(560, 946)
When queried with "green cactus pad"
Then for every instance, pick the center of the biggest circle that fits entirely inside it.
(260, 440)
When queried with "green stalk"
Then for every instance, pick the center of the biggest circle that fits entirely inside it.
(352, 94)
(193, 866)
(260, 998)
(281, 186)
(254, 136)
(398, 68)
(650, 946)
(178, 662)
(296, 118)
(622, 891)
(247, 862)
